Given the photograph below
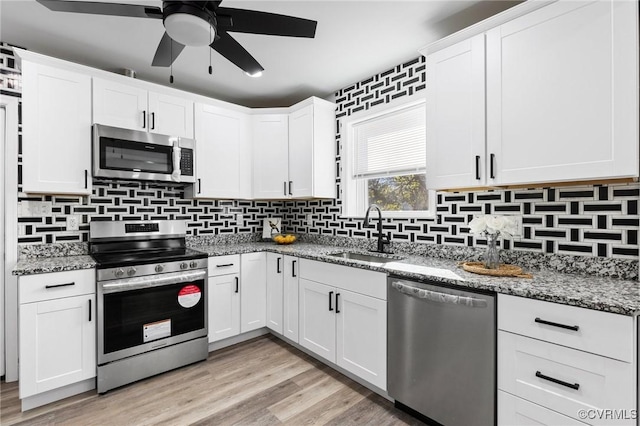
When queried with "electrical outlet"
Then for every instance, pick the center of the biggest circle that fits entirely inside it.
(73, 223)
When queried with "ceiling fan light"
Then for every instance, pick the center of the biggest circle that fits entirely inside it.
(189, 30)
(255, 74)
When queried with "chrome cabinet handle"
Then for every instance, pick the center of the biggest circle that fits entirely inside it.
(557, 324)
(575, 386)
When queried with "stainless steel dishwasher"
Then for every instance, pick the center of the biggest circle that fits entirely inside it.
(442, 352)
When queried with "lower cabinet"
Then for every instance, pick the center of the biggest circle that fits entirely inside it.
(237, 293)
(282, 294)
(275, 289)
(57, 330)
(340, 323)
(514, 411)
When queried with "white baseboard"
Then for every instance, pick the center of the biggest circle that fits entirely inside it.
(214, 346)
(57, 394)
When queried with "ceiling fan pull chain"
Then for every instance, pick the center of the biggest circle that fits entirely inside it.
(210, 67)
(171, 66)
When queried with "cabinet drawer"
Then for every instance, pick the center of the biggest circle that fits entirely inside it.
(222, 265)
(601, 333)
(514, 411)
(33, 288)
(369, 283)
(563, 379)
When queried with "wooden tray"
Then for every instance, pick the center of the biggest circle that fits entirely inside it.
(502, 271)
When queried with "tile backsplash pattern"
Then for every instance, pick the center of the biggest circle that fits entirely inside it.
(583, 220)
(600, 220)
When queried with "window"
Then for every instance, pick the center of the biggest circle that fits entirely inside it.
(385, 162)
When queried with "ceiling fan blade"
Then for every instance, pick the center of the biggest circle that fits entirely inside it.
(97, 8)
(166, 53)
(254, 22)
(228, 47)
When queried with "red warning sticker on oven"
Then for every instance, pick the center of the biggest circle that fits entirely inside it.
(189, 296)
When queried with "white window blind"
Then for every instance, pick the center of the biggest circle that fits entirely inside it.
(391, 145)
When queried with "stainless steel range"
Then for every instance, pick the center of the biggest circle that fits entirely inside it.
(152, 300)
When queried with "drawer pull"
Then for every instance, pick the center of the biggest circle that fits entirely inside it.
(59, 285)
(224, 265)
(555, 324)
(575, 386)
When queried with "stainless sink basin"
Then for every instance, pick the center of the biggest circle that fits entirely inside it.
(373, 258)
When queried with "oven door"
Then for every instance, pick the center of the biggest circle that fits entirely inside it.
(140, 314)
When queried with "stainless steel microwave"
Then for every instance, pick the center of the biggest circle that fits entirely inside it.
(132, 154)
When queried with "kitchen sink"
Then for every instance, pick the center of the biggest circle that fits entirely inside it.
(373, 258)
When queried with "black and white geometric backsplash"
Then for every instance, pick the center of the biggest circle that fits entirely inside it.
(583, 220)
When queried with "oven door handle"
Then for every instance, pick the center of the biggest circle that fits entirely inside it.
(148, 281)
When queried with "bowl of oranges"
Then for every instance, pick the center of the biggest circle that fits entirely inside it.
(284, 238)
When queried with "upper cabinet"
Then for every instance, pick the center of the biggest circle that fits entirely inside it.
(56, 127)
(561, 90)
(223, 147)
(294, 152)
(133, 107)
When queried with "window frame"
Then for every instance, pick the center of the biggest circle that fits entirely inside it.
(354, 191)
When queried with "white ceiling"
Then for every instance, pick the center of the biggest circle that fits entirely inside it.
(355, 39)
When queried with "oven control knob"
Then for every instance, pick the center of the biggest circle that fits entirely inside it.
(184, 265)
(193, 264)
(131, 271)
(159, 268)
(119, 272)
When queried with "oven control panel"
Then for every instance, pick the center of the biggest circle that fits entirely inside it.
(150, 269)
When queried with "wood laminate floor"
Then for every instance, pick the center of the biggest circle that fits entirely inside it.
(260, 382)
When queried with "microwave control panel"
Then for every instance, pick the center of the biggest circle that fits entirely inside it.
(186, 162)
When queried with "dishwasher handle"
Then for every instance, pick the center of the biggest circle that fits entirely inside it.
(439, 297)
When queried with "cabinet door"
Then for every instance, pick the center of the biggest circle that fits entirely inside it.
(317, 318)
(56, 130)
(275, 265)
(301, 152)
(220, 136)
(253, 291)
(270, 156)
(290, 311)
(361, 332)
(120, 105)
(562, 94)
(456, 115)
(224, 307)
(57, 343)
(171, 115)
(514, 411)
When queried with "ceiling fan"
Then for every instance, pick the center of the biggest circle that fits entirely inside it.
(199, 23)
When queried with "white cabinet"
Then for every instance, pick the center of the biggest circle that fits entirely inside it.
(237, 294)
(253, 291)
(294, 152)
(456, 115)
(134, 107)
(282, 295)
(562, 93)
(564, 359)
(56, 127)
(223, 153)
(275, 289)
(224, 297)
(343, 318)
(57, 330)
(560, 84)
(514, 411)
(224, 306)
(290, 298)
(270, 156)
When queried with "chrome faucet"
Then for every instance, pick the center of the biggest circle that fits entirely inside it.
(382, 239)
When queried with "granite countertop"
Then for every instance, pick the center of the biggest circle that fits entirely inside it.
(598, 293)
